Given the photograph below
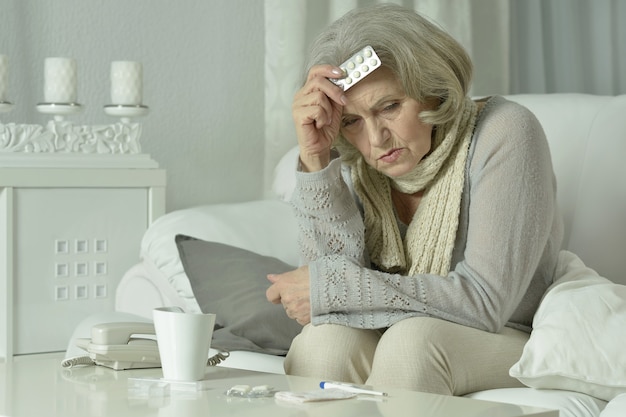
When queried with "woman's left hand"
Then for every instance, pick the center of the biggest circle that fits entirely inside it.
(292, 290)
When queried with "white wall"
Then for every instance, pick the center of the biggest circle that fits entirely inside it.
(203, 81)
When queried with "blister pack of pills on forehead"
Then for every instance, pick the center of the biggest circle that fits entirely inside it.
(357, 67)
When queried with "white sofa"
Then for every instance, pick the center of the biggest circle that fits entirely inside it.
(587, 136)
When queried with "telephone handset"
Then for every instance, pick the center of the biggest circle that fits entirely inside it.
(123, 345)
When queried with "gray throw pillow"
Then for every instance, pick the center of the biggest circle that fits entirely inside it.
(231, 282)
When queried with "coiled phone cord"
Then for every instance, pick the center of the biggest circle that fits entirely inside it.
(214, 360)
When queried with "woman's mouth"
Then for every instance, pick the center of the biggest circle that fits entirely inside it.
(391, 156)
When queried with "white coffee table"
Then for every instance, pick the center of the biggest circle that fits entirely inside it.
(37, 386)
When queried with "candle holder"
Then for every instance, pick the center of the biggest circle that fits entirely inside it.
(59, 110)
(126, 111)
(61, 136)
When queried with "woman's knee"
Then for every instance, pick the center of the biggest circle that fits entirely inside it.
(412, 355)
(434, 355)
(332, 352)
(413, 337)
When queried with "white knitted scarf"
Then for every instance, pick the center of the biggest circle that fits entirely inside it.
(430, 237)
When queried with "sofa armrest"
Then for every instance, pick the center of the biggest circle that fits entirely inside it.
(155, 291)
(266, 227)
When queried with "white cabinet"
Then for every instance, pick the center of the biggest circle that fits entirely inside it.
(67, 235)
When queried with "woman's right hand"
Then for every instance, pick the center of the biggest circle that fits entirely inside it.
(316, 110)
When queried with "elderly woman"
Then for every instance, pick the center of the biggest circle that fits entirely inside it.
(428, 222)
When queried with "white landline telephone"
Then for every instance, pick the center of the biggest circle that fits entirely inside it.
(124, 345)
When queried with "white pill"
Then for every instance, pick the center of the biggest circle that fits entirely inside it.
(240, 388)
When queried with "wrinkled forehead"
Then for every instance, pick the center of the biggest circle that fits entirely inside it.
(379, 85)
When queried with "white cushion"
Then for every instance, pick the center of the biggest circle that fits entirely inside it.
(579, 334)
(616, 408)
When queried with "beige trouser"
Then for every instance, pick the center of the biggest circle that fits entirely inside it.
(422, 354)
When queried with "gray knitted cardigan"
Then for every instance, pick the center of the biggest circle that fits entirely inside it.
(509, 237)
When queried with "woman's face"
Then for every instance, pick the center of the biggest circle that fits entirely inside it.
(383, 124)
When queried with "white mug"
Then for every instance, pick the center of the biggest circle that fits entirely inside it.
(184, 340)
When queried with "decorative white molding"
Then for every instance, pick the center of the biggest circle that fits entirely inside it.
(60, 136)
(75, 160)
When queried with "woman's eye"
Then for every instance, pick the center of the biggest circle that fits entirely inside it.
(348, 122)
(391, 106)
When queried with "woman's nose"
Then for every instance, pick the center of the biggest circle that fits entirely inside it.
(378, 133)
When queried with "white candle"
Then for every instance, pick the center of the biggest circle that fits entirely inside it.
(4, 77)
(60, 80)
(126, 83)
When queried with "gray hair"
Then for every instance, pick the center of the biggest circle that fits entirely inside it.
(428, 62)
